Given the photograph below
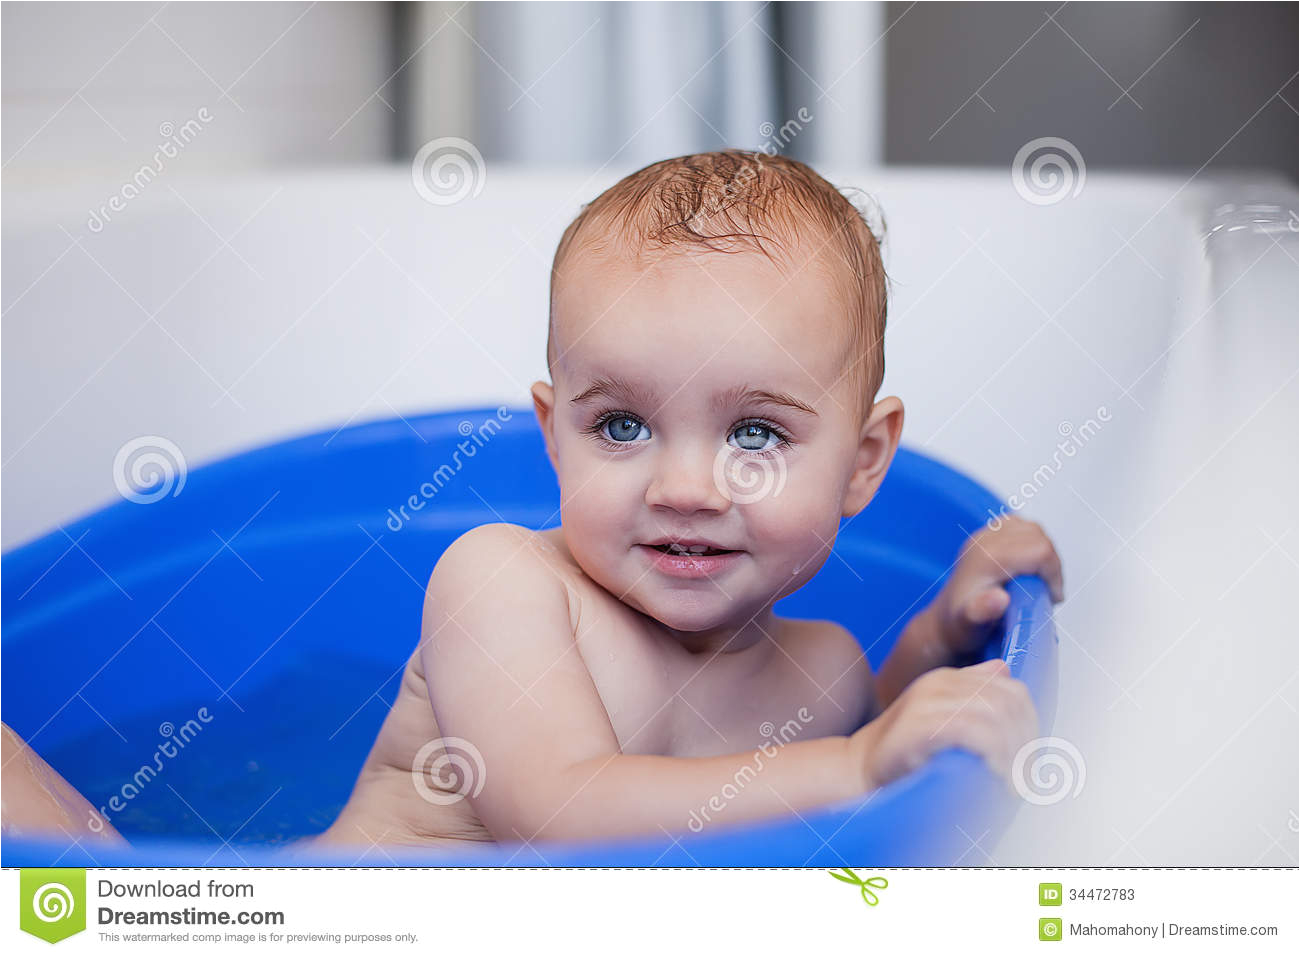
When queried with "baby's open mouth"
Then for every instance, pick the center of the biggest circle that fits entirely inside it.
(674, 548)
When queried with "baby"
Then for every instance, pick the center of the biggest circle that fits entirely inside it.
(715, 350)
(714, 318)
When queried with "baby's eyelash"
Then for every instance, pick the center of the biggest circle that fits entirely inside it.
(598, 424)
(772, 427)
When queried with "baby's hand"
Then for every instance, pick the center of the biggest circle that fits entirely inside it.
(980, 709)
(974, 598)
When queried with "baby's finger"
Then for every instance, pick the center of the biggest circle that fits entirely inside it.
(985, 606)
(1049, 567)
(986, 736)
(1057, 584)
(1044, 561)
(1026, 550)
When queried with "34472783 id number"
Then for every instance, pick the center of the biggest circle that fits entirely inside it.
(1101, 894)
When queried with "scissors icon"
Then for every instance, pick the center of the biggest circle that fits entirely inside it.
(868, 894)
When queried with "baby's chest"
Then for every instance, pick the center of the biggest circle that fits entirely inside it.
(658, 712)
(657, 706)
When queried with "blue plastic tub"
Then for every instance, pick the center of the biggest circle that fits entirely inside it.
(275, 592)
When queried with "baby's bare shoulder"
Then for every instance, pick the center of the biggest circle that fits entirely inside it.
(489, 552)
(494, 541)
(504, 570)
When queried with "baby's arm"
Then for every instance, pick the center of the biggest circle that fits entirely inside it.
(958, 621)
(40, 804)
(504, 673)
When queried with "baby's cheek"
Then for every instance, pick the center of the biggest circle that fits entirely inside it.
(596, 504)
(799, 531)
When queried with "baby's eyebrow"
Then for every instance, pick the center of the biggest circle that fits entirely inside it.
(614, 390)
(622, 390)
(747, 396)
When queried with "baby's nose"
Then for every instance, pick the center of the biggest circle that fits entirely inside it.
(685, 480)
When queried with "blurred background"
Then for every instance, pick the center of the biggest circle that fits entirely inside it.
(159, 160)
(1134, 85)
(229, 224)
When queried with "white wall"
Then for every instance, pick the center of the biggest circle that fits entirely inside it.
(86, 86)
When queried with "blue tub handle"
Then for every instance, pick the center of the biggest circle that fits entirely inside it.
(1029, 643)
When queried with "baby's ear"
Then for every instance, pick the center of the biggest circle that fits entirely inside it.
(544, 406)
(877, 444)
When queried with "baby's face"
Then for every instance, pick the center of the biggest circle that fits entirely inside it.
(703, 400)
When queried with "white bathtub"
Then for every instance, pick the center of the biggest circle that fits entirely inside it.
(224, 315)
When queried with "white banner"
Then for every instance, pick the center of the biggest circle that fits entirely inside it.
(650, 911)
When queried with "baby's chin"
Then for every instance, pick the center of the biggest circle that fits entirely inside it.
(695, 612)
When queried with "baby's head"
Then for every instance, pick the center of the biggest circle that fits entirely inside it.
(715, 349)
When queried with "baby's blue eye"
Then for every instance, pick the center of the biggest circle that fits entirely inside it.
(754, 437)
(624, 428)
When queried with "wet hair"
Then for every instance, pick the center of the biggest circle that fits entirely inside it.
(732, 201)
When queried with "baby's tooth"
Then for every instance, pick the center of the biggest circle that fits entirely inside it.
(678, 549)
